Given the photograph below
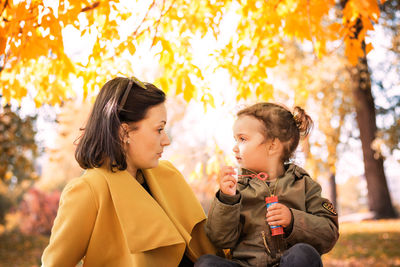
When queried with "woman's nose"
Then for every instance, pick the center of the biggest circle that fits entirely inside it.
(165, 141)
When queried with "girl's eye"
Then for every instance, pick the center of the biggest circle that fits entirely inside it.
(160, 130)
(241, 139)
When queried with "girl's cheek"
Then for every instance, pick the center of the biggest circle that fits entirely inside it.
(241, 147)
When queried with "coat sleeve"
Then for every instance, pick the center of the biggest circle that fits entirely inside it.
(318, 225)
(223, 225)
(72, 227)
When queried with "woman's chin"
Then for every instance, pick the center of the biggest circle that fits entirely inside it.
(155, 163)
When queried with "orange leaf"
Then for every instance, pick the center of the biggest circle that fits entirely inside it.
(368, 48)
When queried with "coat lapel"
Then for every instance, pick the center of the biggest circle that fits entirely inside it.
(144, 223)
(175, 197)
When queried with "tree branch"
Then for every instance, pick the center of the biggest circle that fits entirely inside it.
(88, 8)
(2, 11)
(136, 34)
(144, 18)
(310, 27)
(158, 24)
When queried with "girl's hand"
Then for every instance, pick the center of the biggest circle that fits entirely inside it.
(278, 214)
(227, 183)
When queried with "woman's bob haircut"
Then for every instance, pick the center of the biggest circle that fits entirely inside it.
(121, 100)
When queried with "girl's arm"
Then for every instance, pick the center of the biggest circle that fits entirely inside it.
(318, 225)
(223, 224)
(72, 227)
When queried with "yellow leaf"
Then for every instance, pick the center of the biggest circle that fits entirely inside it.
(189, 89)
(131, 48)
(208, 99)
(164, 84)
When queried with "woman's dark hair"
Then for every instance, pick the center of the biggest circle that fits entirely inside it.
(120, 100)
(280, 123)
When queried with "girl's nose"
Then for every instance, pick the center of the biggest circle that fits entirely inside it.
(235, 149)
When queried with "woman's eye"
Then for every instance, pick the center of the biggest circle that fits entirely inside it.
(242, 139)
(160, 130)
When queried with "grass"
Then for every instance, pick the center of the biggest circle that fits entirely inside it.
(17, 249)
(367, 243)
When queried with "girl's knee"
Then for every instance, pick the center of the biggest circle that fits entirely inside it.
(215, 261)
(301, 254)
(205, 260)
(305, 248)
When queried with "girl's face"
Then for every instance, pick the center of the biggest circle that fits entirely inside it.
(147, 141)
(251, 149)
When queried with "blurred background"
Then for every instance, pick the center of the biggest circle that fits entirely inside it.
(339, 60)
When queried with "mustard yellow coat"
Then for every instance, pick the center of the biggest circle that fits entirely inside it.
(109, 219)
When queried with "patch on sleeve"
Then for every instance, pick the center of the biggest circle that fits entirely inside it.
(329, 207)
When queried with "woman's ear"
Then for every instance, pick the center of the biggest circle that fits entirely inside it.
(124, 133)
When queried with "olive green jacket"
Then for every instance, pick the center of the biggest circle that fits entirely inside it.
(238, 222)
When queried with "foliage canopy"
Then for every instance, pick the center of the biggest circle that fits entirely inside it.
(249, 34)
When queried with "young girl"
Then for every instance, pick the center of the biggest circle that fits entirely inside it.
(266, 136)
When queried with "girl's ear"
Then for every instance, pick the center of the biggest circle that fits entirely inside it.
(274, 147)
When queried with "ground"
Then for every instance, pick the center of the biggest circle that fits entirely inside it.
(367, 243)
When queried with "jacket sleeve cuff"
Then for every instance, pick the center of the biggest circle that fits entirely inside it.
(289, 228)
(228, 199)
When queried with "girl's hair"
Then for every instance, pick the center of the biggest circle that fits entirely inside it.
(120, 100)
(280, 123)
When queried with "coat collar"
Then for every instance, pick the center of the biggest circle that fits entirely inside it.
(176, 198)
(144, 224)
(150, 222)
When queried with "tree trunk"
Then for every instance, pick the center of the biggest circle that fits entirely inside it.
(378, 193)
(332, 189)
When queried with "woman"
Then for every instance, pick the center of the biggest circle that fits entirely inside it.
(127, 209)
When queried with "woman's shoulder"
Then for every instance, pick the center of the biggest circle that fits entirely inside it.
(90, 178)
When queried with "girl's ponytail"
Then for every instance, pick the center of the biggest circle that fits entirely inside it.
(303, 122)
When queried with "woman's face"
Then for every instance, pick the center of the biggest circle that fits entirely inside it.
(251, 149)
(147, 141)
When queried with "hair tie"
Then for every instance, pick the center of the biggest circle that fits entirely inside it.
(297, 119)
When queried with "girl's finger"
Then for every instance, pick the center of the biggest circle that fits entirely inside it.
(229, 178)
(272, 213)
(228, 170)
(276, 206)
(274, 218)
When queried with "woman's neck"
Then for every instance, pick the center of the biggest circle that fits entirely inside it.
(132, 171)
